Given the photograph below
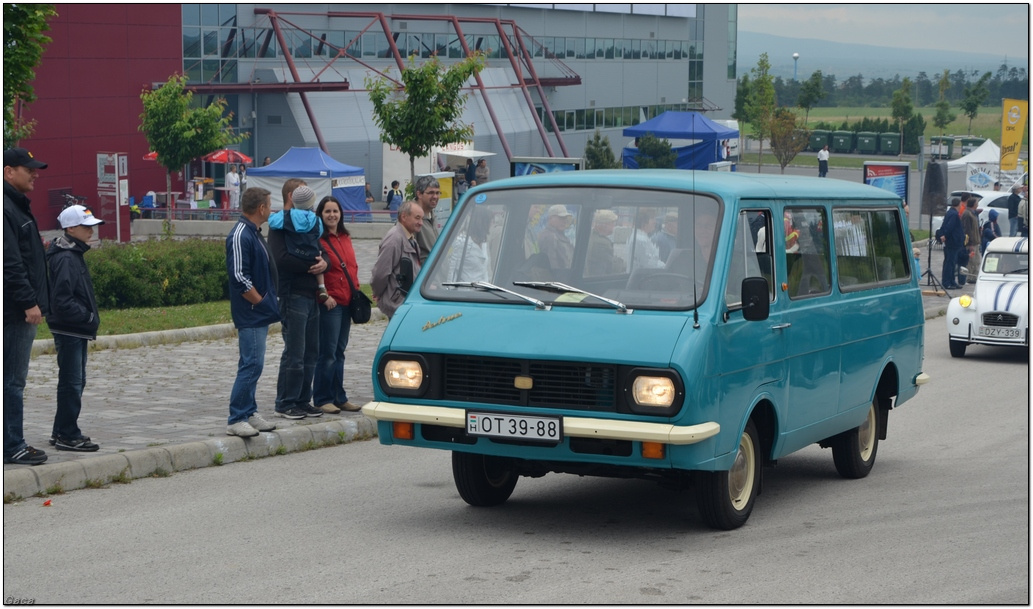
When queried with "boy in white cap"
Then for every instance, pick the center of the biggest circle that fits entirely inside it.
(73, 320)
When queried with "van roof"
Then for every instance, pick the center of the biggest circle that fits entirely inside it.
(1019, 245)
(724, 183)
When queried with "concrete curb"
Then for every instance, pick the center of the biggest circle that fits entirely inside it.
(161, 461)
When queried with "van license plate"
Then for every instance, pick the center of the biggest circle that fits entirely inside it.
(999, 332)
(495, 425)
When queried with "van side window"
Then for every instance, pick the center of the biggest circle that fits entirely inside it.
(807, 252)
(748, 255)
(870, 248)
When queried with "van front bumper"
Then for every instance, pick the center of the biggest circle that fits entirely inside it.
(574, 427)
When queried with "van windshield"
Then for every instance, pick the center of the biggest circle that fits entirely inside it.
(593, 247)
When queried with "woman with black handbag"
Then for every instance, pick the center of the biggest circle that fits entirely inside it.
(328, 392)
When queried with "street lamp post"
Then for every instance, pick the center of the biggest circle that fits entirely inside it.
(796, 57)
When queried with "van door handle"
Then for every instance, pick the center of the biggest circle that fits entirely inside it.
(781, 326)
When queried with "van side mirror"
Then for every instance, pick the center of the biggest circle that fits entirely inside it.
(405, 274)
(755, 303)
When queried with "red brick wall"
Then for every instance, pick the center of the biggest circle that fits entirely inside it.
(88, 86)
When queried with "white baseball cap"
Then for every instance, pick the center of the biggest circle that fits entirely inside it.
(77, 215)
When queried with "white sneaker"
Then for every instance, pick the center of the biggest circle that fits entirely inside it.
(242, 429)
(260, 424)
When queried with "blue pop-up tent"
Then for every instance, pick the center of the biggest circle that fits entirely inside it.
(322, 173)
(682, 126)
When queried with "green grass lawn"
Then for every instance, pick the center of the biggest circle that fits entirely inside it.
(132, 321)
(987, 123)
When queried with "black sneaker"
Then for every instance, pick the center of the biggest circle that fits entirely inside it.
(79, 445)
(310, 411)
(27, 456)
(53, 439)
(293, 413)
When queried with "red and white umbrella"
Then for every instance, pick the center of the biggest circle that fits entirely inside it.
(151, 156)
(226, 156)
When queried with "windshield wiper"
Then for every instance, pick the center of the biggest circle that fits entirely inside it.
(491, 287)
(555, 286)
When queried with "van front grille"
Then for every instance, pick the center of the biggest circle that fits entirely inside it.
(568, 385)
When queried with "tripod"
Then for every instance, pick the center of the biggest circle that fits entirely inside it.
(928, 274)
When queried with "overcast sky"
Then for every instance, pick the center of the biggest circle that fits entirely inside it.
(983, 28)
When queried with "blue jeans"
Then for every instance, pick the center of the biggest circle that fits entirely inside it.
(18, 337)
(949, 273)
(251, 344)
(300, 322)
(334, 326)
(1013, 226)
(71, 380)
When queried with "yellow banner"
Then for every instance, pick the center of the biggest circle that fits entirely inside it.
(1013, 123)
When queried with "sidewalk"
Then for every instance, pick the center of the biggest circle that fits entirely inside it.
(161, 407)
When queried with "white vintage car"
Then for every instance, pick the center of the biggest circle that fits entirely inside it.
(998, 312)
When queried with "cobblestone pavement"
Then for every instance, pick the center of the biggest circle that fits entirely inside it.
(179, 392)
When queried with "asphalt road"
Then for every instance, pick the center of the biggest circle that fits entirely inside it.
(943, 519)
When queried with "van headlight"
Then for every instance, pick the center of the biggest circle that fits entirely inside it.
(403, 375)
(655, 391)
(965, 301)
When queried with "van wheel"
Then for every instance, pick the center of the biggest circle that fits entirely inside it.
(725, 498)
(958, 348)
(854, 451)
(483, 481)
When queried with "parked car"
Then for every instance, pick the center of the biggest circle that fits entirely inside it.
(998, 312)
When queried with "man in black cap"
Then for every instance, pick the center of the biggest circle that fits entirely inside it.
(26, 297)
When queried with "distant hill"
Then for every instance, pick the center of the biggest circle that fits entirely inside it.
(844, 60)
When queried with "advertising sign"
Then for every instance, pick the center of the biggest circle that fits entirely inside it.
(526, 166)
(1013, 124)
(888, 176)
(980, 176)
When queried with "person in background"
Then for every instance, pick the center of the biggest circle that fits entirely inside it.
(253, 307)
(1024, 212)
(26, 297)
(482, 172)
(266, 161)
(233, 183)
(823, 161)
(297, 290)
(428, 192)
(471, 171)
(600, 259)
(394, 199)
(398, 243)
(991, 230)
(1013, 210)
(642, 253)
(328, 391)
(952, 236)
(666, 239)
(973, 238)
(553, 240)
(73, 320)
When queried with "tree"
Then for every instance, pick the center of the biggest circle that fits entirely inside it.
(424, 112)
(598, 154)
(760, 105)
(655, 153)
(901, 106)
(24, 42)
(180, 133)
(974, 96)
(742, 96)
(943, 116)
(811, 92)
(788, 138)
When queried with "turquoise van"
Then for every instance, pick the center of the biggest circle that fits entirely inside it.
(679, 326)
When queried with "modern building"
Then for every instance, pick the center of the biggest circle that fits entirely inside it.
(295, 75)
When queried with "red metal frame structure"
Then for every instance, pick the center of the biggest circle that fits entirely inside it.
(520, 61)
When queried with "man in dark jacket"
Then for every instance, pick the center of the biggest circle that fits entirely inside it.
(1013, 210)
(952, 235)
(26, 298)
(253, 307)
(73, 320)
(299, 315)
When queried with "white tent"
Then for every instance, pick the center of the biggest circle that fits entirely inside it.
(988, 152)
(983, 168)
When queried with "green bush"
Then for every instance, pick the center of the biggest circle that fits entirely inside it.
(158, 273)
